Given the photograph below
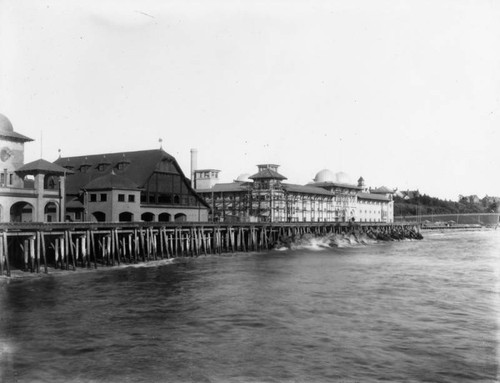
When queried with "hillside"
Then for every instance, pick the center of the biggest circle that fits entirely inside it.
(424, 204)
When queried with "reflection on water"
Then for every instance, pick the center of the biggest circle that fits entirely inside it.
(399, 311)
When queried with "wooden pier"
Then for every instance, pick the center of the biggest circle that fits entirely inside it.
(36, 247)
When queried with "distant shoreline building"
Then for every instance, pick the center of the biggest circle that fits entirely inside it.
(146, 185)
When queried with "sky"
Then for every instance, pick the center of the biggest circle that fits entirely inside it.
(404, 93)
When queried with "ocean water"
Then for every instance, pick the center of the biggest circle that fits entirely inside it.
(409, 311)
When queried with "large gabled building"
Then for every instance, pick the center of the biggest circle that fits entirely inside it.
(146, 185)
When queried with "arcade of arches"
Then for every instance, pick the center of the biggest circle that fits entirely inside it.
(23, 211)
(126, 216)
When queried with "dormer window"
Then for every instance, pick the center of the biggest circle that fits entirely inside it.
(84, 167)
(101, 166)
(123, 163)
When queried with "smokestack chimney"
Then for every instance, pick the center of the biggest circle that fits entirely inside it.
(194, 166)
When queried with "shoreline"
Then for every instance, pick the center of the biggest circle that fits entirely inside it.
(458, 228)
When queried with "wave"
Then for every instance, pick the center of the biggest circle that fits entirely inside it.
(312, 242)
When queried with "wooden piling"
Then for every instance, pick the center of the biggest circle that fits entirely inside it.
(2, 259)
(93, 249)
(44, 255)
(6, 253)
(62, 254)
(24, 250)
(55, 246)
(70, 249)
(32, 253)
(117, 246)
(160, 237)
(154, 239)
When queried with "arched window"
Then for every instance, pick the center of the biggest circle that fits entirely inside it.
(148, 217)
(21, 212)
(164, 217)
(126, 217)
(50, 212)
(180, 217)
(99, 216)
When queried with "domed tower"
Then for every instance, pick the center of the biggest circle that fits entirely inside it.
(244, 177)
(38, 199)
(343, 178)
(5, 124)
(324, 175)
(11, 153)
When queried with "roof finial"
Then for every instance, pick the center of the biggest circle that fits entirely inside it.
(59, 151)
(160, 140)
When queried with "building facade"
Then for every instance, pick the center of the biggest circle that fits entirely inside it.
(265, 197)
(32, 192)
(374, 208)
(146, 185)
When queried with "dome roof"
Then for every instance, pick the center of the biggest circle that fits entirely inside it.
(7, 131)
(343, 178)
(243, 178)
(324, 175)
(5, 124)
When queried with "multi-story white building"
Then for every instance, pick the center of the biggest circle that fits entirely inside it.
(264, 197)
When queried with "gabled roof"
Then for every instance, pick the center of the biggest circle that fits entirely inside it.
(226, 187)
(74, 204)
(267, 174)
(206, 170)
(382, 190)
(111, 181)
(374, 197)
(139, 165)
(335, 184)
(42, 166)
(244, 186)
(411, 194)
(307, 189)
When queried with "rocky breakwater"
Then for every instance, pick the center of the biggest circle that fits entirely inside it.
(352, 237)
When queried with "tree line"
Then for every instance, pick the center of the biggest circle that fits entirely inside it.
(426, 205)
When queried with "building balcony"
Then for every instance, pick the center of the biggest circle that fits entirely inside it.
(28, 192)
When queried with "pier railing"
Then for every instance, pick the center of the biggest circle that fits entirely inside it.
(35, 246)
